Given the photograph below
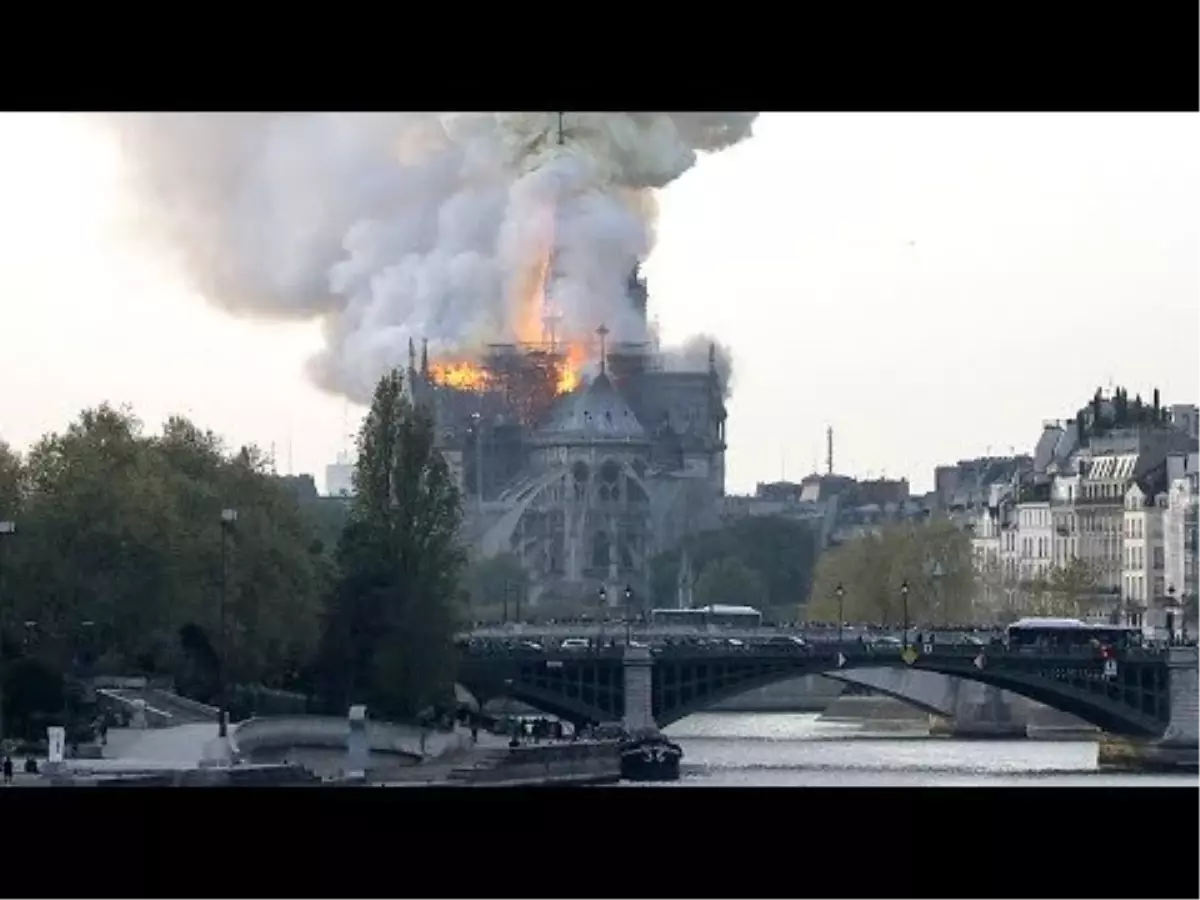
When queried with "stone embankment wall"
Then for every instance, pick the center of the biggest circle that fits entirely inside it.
(582, 763)
(320, 744)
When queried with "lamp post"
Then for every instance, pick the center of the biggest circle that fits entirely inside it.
(904, 599)
(477, 422)
(228, 519)
(8, 528)
(628, 614)
(935, 573)
(602, 596)
(841, 593)
(1172, 611)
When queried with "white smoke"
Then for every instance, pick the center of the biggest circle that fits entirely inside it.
(693, 356)
(396, 225)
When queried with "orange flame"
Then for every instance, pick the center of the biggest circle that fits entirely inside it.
(462, 375)
(568, 375)
(531, 306)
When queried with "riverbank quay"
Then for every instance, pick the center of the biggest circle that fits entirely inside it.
(552, 764)
(1120, 754)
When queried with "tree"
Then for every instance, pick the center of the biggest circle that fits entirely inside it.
(120, 549)
(494, 586)
(997, 596)
(934, 558)
(10, 483)
(781, 551)
(1072, 587)
(729, 581)
(392, 614)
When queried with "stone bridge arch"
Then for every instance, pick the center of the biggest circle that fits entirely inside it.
(592, 687)
(1087, 705)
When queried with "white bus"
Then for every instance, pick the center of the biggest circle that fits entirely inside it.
(717, 616)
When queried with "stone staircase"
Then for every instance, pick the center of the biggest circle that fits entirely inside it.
(482, 765)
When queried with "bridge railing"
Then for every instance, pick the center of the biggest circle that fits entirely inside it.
(851, 650)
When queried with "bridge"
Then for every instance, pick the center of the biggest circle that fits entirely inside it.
(1144, 694)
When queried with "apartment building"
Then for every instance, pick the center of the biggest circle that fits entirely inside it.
(1142, 555)
(1035, 531)
(1063, 519)
(1180, 530)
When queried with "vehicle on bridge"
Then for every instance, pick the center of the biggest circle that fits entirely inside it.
(716, 616)
(1044, 633)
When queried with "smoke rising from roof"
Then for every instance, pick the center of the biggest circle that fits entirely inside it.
(395, 225)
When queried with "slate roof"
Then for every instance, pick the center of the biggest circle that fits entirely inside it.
(597, 413)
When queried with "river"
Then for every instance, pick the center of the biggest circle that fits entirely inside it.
(795, 750)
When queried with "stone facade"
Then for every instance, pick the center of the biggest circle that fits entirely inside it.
(583, 486)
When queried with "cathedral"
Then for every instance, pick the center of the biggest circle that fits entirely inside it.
(583, 480)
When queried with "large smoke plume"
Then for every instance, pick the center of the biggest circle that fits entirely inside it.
(425, 225)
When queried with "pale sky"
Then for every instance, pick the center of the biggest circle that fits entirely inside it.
(932, 286)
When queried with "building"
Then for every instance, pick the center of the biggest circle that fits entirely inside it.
(1180, 530)
(993, 536)
(1186, 418)
(1112, 487)
(1035, 531)
(966, 484)
(582, 479)
(1142, 585)
(339, 477)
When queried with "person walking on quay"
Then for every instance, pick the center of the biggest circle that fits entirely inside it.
(8, 769)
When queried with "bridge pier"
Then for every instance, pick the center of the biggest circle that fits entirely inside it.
(638, 666)
(978, 711)
(957, 707)
(358, 750)
(1177, 749)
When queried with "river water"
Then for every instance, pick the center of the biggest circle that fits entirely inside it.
(792, 750)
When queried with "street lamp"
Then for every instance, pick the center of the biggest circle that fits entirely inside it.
(935, 573)
(628, 613)
(904, 598)
(841, 593)
(228, 519)
(1172, 611)
(602, 596)
(7, 529)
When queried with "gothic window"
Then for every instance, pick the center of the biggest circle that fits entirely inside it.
(581, 473)
(609, 472)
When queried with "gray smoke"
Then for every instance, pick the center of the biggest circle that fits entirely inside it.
(693, 356)
(388, 226)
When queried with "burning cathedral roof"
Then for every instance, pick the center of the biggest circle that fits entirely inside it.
(596, 413)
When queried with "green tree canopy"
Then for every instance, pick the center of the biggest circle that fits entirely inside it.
(494, 586)
(119, 548)
(780, 551)
(871, 570)
(729, 581)
(10, 483)
(392, 617)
